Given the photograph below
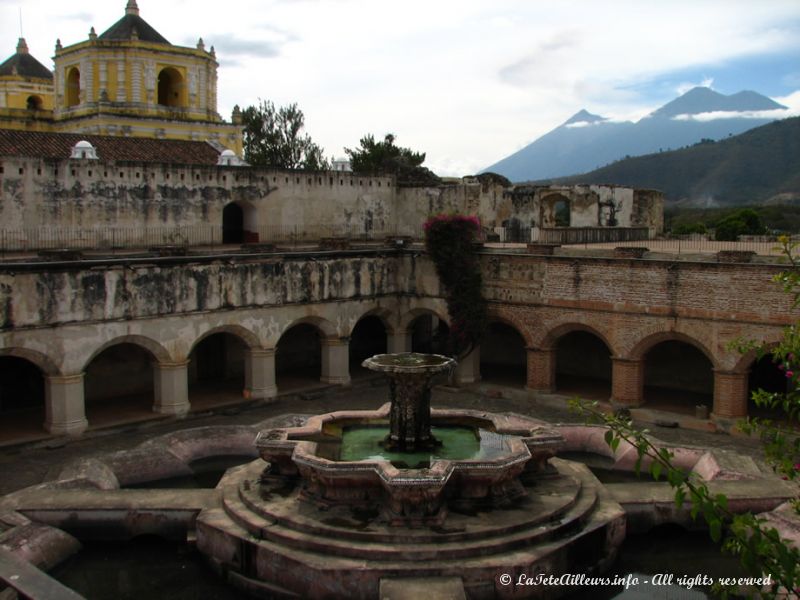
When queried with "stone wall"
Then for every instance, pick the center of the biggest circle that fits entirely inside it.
(625, 302)
(96, 194)
(88, 193)
(62, 318)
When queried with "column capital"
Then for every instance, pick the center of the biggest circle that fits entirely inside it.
(537, 349)
(260, 352)
(171, 365)
(623, 360)
(65, 379)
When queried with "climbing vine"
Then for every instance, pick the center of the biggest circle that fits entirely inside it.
(450, 241)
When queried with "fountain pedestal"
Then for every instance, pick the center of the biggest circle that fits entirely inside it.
(409, 376)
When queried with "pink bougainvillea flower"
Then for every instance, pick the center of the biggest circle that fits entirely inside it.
(789, 373)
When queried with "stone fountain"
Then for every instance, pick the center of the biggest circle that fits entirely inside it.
(352, 499)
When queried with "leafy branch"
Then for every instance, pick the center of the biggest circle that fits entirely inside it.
(760, 547)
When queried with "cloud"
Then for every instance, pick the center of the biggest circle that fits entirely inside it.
(778, 113)
(540, 61)
(581, 124)
(231, 45)
(684, 87)
(84, 17)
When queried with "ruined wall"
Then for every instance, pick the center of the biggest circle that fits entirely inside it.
(81, 193)
(535, 206)
(137, 196)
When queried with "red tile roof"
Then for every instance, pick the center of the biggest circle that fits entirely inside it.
(59, 146)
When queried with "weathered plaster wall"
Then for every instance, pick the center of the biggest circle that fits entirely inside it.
(80, 193)
(95, 194)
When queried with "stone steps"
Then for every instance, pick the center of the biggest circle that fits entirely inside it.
(250, 547)
(516, 528)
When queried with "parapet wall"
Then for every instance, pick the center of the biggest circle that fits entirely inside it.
(626, 302)
(84, 196)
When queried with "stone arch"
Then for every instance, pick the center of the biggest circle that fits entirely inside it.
(551, 337)
(582, 360)
(34, 102)
(502, 316)
(249, 338)
(300, 352)
(23, 395)
(643, 346)
(410, 316)
(217, 367)
(677, 372)
(427, 328)
(73, 87)
(503, 351)
(747, 359)
(46, 364)
(171, 89)
(380, 312)
(155, 348)
(120, 380)
(239, 223)
(326, 329)
(368, 337)
(763, 373)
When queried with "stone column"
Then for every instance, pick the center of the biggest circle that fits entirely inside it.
(65, 409)
(541, 369)
(627, 381)
(469, 368)
(730, 394)
(336, 361)
(171, 382)
(399, 341)
(259, 374)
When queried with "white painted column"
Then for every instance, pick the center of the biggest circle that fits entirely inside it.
(65, 409)
(469, 368)
(336, 361)
(259, 374)
(171, 382)
(399, 341)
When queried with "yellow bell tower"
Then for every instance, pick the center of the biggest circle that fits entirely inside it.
(131, 81)
(26, 92)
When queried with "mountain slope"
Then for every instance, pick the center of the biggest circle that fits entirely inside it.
(756, 167)
(587, 141)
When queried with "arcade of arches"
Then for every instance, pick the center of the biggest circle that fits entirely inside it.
(130, 379)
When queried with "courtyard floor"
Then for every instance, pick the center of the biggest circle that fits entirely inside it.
(28, 464)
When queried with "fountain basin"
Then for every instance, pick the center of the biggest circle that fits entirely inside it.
(411, 496)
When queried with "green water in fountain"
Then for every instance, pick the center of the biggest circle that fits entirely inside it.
(364, 442)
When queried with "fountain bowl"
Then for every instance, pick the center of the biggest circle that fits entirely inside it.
(411, 496)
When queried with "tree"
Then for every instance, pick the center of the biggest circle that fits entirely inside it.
(743, 222)
(273, 138)
(384, 157)
(450, 242)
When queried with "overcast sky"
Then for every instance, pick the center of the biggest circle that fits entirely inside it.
(467, 81)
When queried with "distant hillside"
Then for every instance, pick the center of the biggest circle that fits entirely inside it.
(587, 141)
(761, 166)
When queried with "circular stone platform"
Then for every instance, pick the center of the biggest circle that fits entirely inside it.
(266, 531)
